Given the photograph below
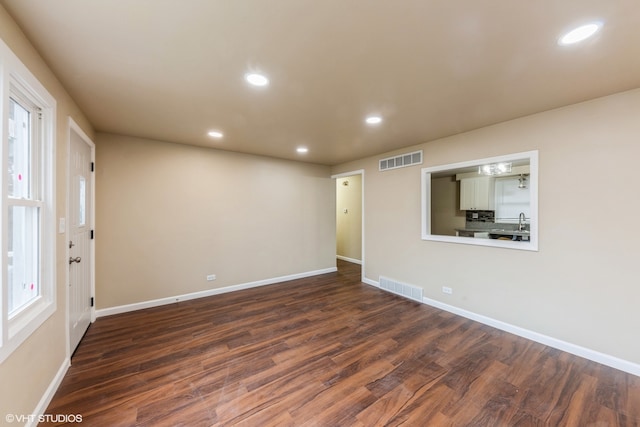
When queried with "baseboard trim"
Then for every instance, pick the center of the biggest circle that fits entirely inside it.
(353, 260)
(185, 297)
(49, 393)
(370, 282)
(586, 353)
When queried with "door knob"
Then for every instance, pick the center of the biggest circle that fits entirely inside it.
(76, 259)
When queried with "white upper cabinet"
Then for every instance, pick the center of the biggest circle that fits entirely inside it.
(477, 194)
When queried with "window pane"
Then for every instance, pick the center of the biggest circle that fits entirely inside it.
(23, 242)
(81, 201)
(19, 152)
(511, 200)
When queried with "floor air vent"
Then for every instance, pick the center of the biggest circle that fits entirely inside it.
(409, 291)
(401, 161)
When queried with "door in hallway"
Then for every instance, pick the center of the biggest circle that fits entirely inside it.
(80, 196)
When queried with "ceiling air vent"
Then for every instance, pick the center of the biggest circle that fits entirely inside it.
(401, 161)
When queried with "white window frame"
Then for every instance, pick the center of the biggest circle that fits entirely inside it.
(531, 245)
(16, 78)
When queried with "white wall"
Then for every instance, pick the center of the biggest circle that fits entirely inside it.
(582, 285)
(26, 374)
(168, 215)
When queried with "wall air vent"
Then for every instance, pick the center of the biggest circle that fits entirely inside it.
(401, 161)
(402, 289)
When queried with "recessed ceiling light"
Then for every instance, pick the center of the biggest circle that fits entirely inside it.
(373, 120)
(215, 134)
(256, 79)
(302, 150)
(579, 34)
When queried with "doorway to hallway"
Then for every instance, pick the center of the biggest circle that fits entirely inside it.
(350, 217)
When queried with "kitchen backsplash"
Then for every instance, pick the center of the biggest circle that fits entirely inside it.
(480, 216)
(485, 220)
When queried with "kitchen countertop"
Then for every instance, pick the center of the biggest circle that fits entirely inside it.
(499, 231)
(504, 232)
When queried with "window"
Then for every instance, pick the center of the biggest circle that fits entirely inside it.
(447, 216)
(27, 211)
(512, 198)
(24, 207)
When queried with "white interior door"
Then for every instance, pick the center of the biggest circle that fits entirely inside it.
(80, 235)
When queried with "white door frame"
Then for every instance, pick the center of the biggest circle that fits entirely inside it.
(344, 175)
(74, 127)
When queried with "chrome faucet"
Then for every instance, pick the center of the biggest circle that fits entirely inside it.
(521, 221)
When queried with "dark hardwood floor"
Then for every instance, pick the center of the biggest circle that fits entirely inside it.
(329, 351)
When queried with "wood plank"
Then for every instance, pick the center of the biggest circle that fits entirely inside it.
(329, 350)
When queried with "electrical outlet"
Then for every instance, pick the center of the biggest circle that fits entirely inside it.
(447, 290)
(211, 277)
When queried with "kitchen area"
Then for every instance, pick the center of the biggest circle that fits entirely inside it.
(486, 201)
(481, 225)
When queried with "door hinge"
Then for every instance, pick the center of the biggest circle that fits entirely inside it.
(93, 166)
(91, 234)
(91, 301)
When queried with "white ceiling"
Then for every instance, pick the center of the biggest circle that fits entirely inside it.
(172, 70)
